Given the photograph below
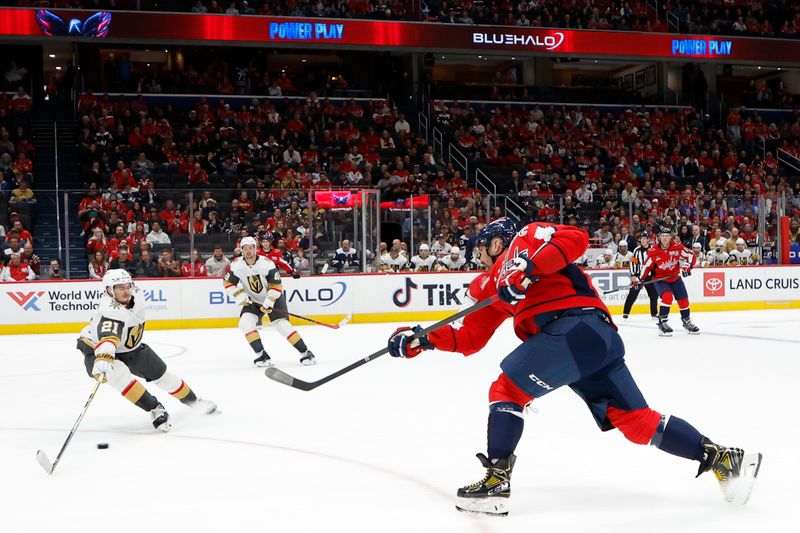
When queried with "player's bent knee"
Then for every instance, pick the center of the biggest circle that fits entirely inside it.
(121, 377)
(666, 298)
(248, 322)
(168, 381)
(283, 326)
(504, 390)
(638, 426)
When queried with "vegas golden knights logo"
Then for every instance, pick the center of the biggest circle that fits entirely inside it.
(256, 285)
(134, 335)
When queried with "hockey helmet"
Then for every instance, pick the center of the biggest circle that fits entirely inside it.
(116, 276)
(697, 246)
(740, 241)
(721, 242)
(248, 241)
(504, 228)
(454, 250)
(424, 246)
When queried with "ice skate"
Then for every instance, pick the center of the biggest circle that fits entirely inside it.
(308, 358)
(735, 471)
(690, 327)
(160, 418)
(263, 360)
(489, 495)
(663, 328)
(207, 407)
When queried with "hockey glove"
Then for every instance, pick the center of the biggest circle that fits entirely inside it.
(401, 343)
(686, 272)
(512, 286)
(240, 297)
(295, 274)
(634, 281)
(103, 367)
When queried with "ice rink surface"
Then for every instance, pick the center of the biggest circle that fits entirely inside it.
(384, 448)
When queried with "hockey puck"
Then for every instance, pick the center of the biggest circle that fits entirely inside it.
(102, 446)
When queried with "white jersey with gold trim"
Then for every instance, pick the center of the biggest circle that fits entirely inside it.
(117, 323)
(423, 265)
(259, 281)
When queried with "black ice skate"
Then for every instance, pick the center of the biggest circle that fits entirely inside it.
(663, 328)
(691, 328)
(489, 495)
(735, 471)
(308, 358)
(160, 418)
(263, 359)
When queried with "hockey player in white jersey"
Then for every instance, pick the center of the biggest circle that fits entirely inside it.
(394, 261)
(254, 283)
(424, 261)
(742, 255)
(453, 260)
(717, 256)
(114, 352)
(606, 259)
(622, 259)
(697, 248)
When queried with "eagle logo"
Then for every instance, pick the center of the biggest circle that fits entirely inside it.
(51, 25)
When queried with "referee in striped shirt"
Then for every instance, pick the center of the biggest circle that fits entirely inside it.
(637, 262)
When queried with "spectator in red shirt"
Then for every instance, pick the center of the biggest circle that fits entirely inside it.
(199, 268)
(198, 176)
(98, 242)
(16, 270)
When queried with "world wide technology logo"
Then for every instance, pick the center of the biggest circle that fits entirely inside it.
(26, 300)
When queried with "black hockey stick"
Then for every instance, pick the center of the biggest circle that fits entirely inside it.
(282, 377)
(642, 284)
(41, 457)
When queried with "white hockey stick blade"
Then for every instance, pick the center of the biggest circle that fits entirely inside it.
(487, 506)
(345, 320)
(42, 459)
(738, 490)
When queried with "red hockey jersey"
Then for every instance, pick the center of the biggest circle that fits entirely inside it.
(552, 249)
(668, 262)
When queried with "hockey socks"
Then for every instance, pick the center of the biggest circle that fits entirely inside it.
(135, 393)
(177, 388)
(678, 437)
(254, 340)
(297, 341)
(504, 429)
(663, 312)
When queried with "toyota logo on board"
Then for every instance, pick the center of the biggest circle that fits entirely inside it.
(713, 284)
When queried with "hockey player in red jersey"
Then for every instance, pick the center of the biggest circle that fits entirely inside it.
(667, 261)
(568, 338)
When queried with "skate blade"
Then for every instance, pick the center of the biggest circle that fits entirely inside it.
(738, 490)
(308, 362)
(487, 506)
(264, 364)
(662, 334)
(166, 427)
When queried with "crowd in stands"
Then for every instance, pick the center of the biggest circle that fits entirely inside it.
(18, 260)
(249, 166)
(639, 169)
(754, 18)
(201, 76)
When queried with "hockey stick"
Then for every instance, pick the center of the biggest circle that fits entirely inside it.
(282, 377)
(640, 284)
(341, 323)
(41, 457)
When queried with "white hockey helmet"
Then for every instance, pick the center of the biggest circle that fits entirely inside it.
(454, 250)
(248, 241)
(623, 243)
(697, 246)
(116, 276)
(424, 246)
(741, 241)
(721, 242)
